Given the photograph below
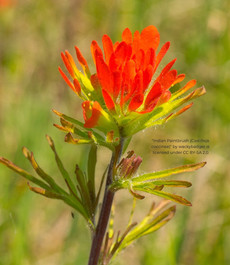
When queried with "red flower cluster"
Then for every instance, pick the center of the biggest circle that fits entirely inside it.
(124, 75)
(128, 68)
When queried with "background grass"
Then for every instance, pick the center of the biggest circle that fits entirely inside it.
(34, 230)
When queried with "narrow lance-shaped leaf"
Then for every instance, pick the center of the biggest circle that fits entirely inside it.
(155, 184)
(83, 189)
(92, 160)
(166, 195)
(162, 220)
(50, 194)
(60, 165)
(154, 211)
(173, 183)
(45, 193)
(156, 219)
(140, 231)
(30, 156)
(120, 240)
(24, 173)
(168, 172)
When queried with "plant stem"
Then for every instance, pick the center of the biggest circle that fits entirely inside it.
(106, 208)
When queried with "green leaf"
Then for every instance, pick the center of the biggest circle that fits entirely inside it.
(159, 184)
(46, 193)
(63, 171)
(168, 172)
(173, 183)
(23, 173)
(166, 195)
(30, 156)
(156, 218)
(84, 190)
(53, 191)
(92, 160)
(160, 221)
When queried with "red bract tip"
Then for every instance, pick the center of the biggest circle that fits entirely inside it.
(108, 47)
(127, 36)
(67, 64)
(77, 86)
(80, 57)
(108, 100)
(153, 96)
(66, 79)
(161, 54)
(95, 47)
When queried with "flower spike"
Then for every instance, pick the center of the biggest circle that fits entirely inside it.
(125, 89)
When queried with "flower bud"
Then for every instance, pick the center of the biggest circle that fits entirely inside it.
(129, 165)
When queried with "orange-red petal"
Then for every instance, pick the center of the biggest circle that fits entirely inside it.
(95, 81)
(153, 94)
(108, 47)
(140, 59)
(108, 100)
(167, 80)
(189, 85)
(147, 76)
(81, 60)
(161, 54)
(136, 102)
(138, 82)
(136, 42)
(91, 113)
(179, 79)
(150, 38)
(67, 64)
(150, 57)
(184, 108)
(129, 70)
(117, 80)
(66, 79)
(77, 86)
(121, 54)
(95, 47)
(104, 74)
(127, 36)
(165, 97)
(71, 60)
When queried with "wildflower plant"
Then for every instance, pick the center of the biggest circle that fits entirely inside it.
(123, 97)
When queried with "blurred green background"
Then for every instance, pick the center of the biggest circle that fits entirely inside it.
(35, 230)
